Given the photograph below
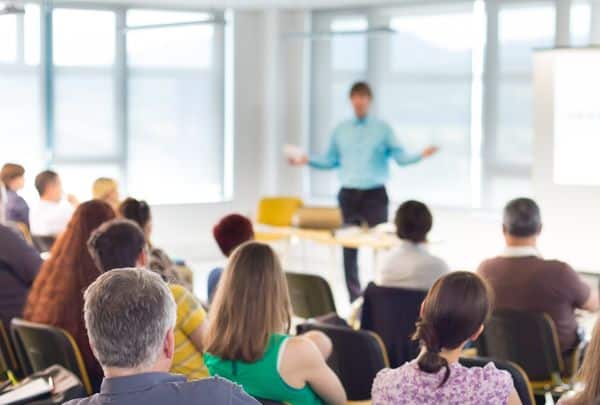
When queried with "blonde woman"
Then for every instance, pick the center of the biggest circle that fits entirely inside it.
(107, 190)
(588, 376)
(247, 339)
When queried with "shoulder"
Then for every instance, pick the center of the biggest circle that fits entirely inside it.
(490, 379)
(388, 382)
(216, 390)
(487, 265)
(300, 352)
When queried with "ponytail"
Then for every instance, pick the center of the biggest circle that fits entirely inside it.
(430, 360)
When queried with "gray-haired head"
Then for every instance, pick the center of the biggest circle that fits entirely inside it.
(522, 218)
(128, 313)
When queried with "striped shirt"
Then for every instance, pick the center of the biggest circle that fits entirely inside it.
(190, 316)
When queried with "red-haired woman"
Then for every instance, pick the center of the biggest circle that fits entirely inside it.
(56, 297)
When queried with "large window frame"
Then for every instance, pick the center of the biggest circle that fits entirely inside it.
(486, 164)
(47, 71)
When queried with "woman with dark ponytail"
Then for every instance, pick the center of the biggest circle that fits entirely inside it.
(452, 314)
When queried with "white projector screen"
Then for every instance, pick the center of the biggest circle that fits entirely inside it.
(577, 117)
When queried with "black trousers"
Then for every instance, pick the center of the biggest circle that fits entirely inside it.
(360, 207)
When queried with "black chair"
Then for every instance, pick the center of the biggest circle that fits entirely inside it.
(520, 379)
(528, 339)
(356, 359)
(41, 346)
(269, 402)
(8, 360)
(310, 294)
(392, 314)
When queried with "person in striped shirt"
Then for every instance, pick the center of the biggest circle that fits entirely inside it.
(121, 243)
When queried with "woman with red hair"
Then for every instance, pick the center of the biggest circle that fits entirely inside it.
(229, 233)
(56, 297)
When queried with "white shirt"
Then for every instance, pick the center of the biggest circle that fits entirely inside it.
(520, 251)
(411, 266)
(48, 218)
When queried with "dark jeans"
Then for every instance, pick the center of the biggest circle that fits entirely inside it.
(360, 207)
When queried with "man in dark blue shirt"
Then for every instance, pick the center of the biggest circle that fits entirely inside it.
(130, 315)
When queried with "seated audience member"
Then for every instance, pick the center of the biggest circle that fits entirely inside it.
(19, 265)
(13, 177)
(130, 317)
(522, 280)
(107, 190)
(247, 343)
(121, 243)
(411, 265)
(231, 231)
(452, 314)
(588, 375)
(56, 296)
(50, 216)
(139, 212)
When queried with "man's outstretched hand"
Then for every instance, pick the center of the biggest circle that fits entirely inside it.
(429, 151)
(298, 160)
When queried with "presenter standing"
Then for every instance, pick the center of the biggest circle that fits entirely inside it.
(360, 148)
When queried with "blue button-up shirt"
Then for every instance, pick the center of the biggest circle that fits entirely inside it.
(166, 389)
(361, 148)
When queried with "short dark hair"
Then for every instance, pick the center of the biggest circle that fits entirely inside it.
(522, 218)
(43, 179)
(362, 89)
(231, 231)
(11, 171)
(116, 244)
(413, 221)
(136, 210)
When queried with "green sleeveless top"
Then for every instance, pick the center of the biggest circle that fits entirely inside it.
(261, 378)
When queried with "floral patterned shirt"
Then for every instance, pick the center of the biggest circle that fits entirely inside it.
(466, 386)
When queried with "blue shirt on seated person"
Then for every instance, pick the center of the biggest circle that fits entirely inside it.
(130, 315)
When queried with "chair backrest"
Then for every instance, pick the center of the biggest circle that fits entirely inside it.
(41, 346)
(520, 379)
(310, 294)
(278, 211)
(528, 339)
(392, 314)
(357, 357)
(269, 402)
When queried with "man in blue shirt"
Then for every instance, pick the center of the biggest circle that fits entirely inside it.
(360, 148)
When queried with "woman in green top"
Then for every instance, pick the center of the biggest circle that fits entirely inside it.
(246, 340)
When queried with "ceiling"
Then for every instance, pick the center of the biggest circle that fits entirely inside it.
(245, 4)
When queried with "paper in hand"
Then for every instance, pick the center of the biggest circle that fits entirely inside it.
(293, 152)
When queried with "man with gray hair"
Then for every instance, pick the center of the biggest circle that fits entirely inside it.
(522, 280)
(130, 315)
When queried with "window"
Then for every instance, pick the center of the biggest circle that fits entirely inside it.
(21, 136)
(458, 75)
(175, 117)
(133, 94)
(427, 100)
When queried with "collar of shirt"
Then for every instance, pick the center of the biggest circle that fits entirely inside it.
(520, 251)
(138, 382)
(361, 120)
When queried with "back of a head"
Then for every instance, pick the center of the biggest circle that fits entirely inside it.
(43, 180)
(11, 171)
(103, 187)
(453, 311)
(238, 330)
(413, 221)
(522, 218)
(231, 231)
(589, 373)
(128, 313)
(116, 244)
(136, 210)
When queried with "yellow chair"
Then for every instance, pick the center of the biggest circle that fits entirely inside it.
(278, 211)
